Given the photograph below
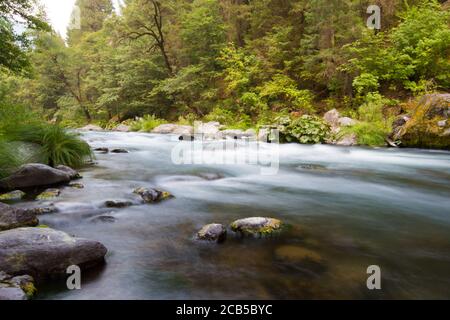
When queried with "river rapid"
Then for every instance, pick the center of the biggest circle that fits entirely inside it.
(353, 207)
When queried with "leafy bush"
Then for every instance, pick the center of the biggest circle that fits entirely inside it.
(306, 129)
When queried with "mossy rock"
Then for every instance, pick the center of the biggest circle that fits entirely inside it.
(427, 127)
(212, 232)
(49, 194)
(257, 226)
(76, 185)
(12, 196)
(152, 195)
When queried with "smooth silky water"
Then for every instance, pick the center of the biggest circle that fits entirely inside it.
(355, 207)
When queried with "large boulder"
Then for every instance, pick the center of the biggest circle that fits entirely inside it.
(33, 175)
(209, 130)
(44, 252)
(256, 226)
(11, 218)
(426, 126)
(170, 128)
(73, 174)
(92, 127)
(16, 288)
(332, 118)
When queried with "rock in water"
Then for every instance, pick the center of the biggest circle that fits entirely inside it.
(103, 219)
(33, 175)
(119, 151)
(174, 129)
(152, 195)
(213, 232)
(49, 194)
(256, 226)
(76, 185)
(122, 128)
(102, 150)
(118, 204)
(73, 174)
(16, 288)
(12, 196)
(11, 218)
(43, 252)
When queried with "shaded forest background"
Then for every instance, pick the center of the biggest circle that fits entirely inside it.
(240, 62)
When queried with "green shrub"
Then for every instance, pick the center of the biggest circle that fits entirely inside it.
(147, 123)
(57, 145)
(306, 129)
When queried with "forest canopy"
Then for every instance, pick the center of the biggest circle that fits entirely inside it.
(239, 61)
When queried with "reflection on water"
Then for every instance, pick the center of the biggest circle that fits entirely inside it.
(346, 209)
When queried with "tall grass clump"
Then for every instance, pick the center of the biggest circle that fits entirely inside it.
(57, 145)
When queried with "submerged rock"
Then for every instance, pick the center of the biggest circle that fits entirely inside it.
(152, 195)
(76, 185)
(295, 254)
(119, 151)
(16, 288)
(213, 232)
(49, 194)
(12, 196)
(103, 219)
(118, 204)
(42, 210)
(11, 218)
(73, 174)
(256, 226)
(43, 252)
(34, 175)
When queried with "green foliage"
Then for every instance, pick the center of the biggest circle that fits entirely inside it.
(305, 129)
(9, 159)
(147, 123)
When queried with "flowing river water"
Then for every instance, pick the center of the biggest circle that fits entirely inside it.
(353, 207)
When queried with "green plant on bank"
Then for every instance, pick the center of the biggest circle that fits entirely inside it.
(305, 129)
(147, 123)
(373, 127)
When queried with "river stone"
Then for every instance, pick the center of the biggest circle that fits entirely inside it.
(170, 128)
(33, 175)
(76, 185)
(49, 194)
(212, 232)
(43, 252)
(92, 127)
(12, 196)
(102, 150)
(152, 195)
(11, 218)
(348, 140)
(118, 204)
(208, 131)
(73, 174)
(42, 210)
(291, 253)
(256, 226)
(346, 122)
(332, 118)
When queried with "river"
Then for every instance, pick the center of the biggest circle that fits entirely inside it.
(353, 207)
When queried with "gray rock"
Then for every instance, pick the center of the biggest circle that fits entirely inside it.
(346, 122)
(348, 140)
(92, 127)
(208, 131)
(16, 288)
(170, 128)
(212, 232)
(256, 226)
(43, 252)
(33, 175)
(11, 218)
(73, 174)
(122, 128)
(102, 150)
(42, 210)
(76, 185)
(233, 134)
(332, 118)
